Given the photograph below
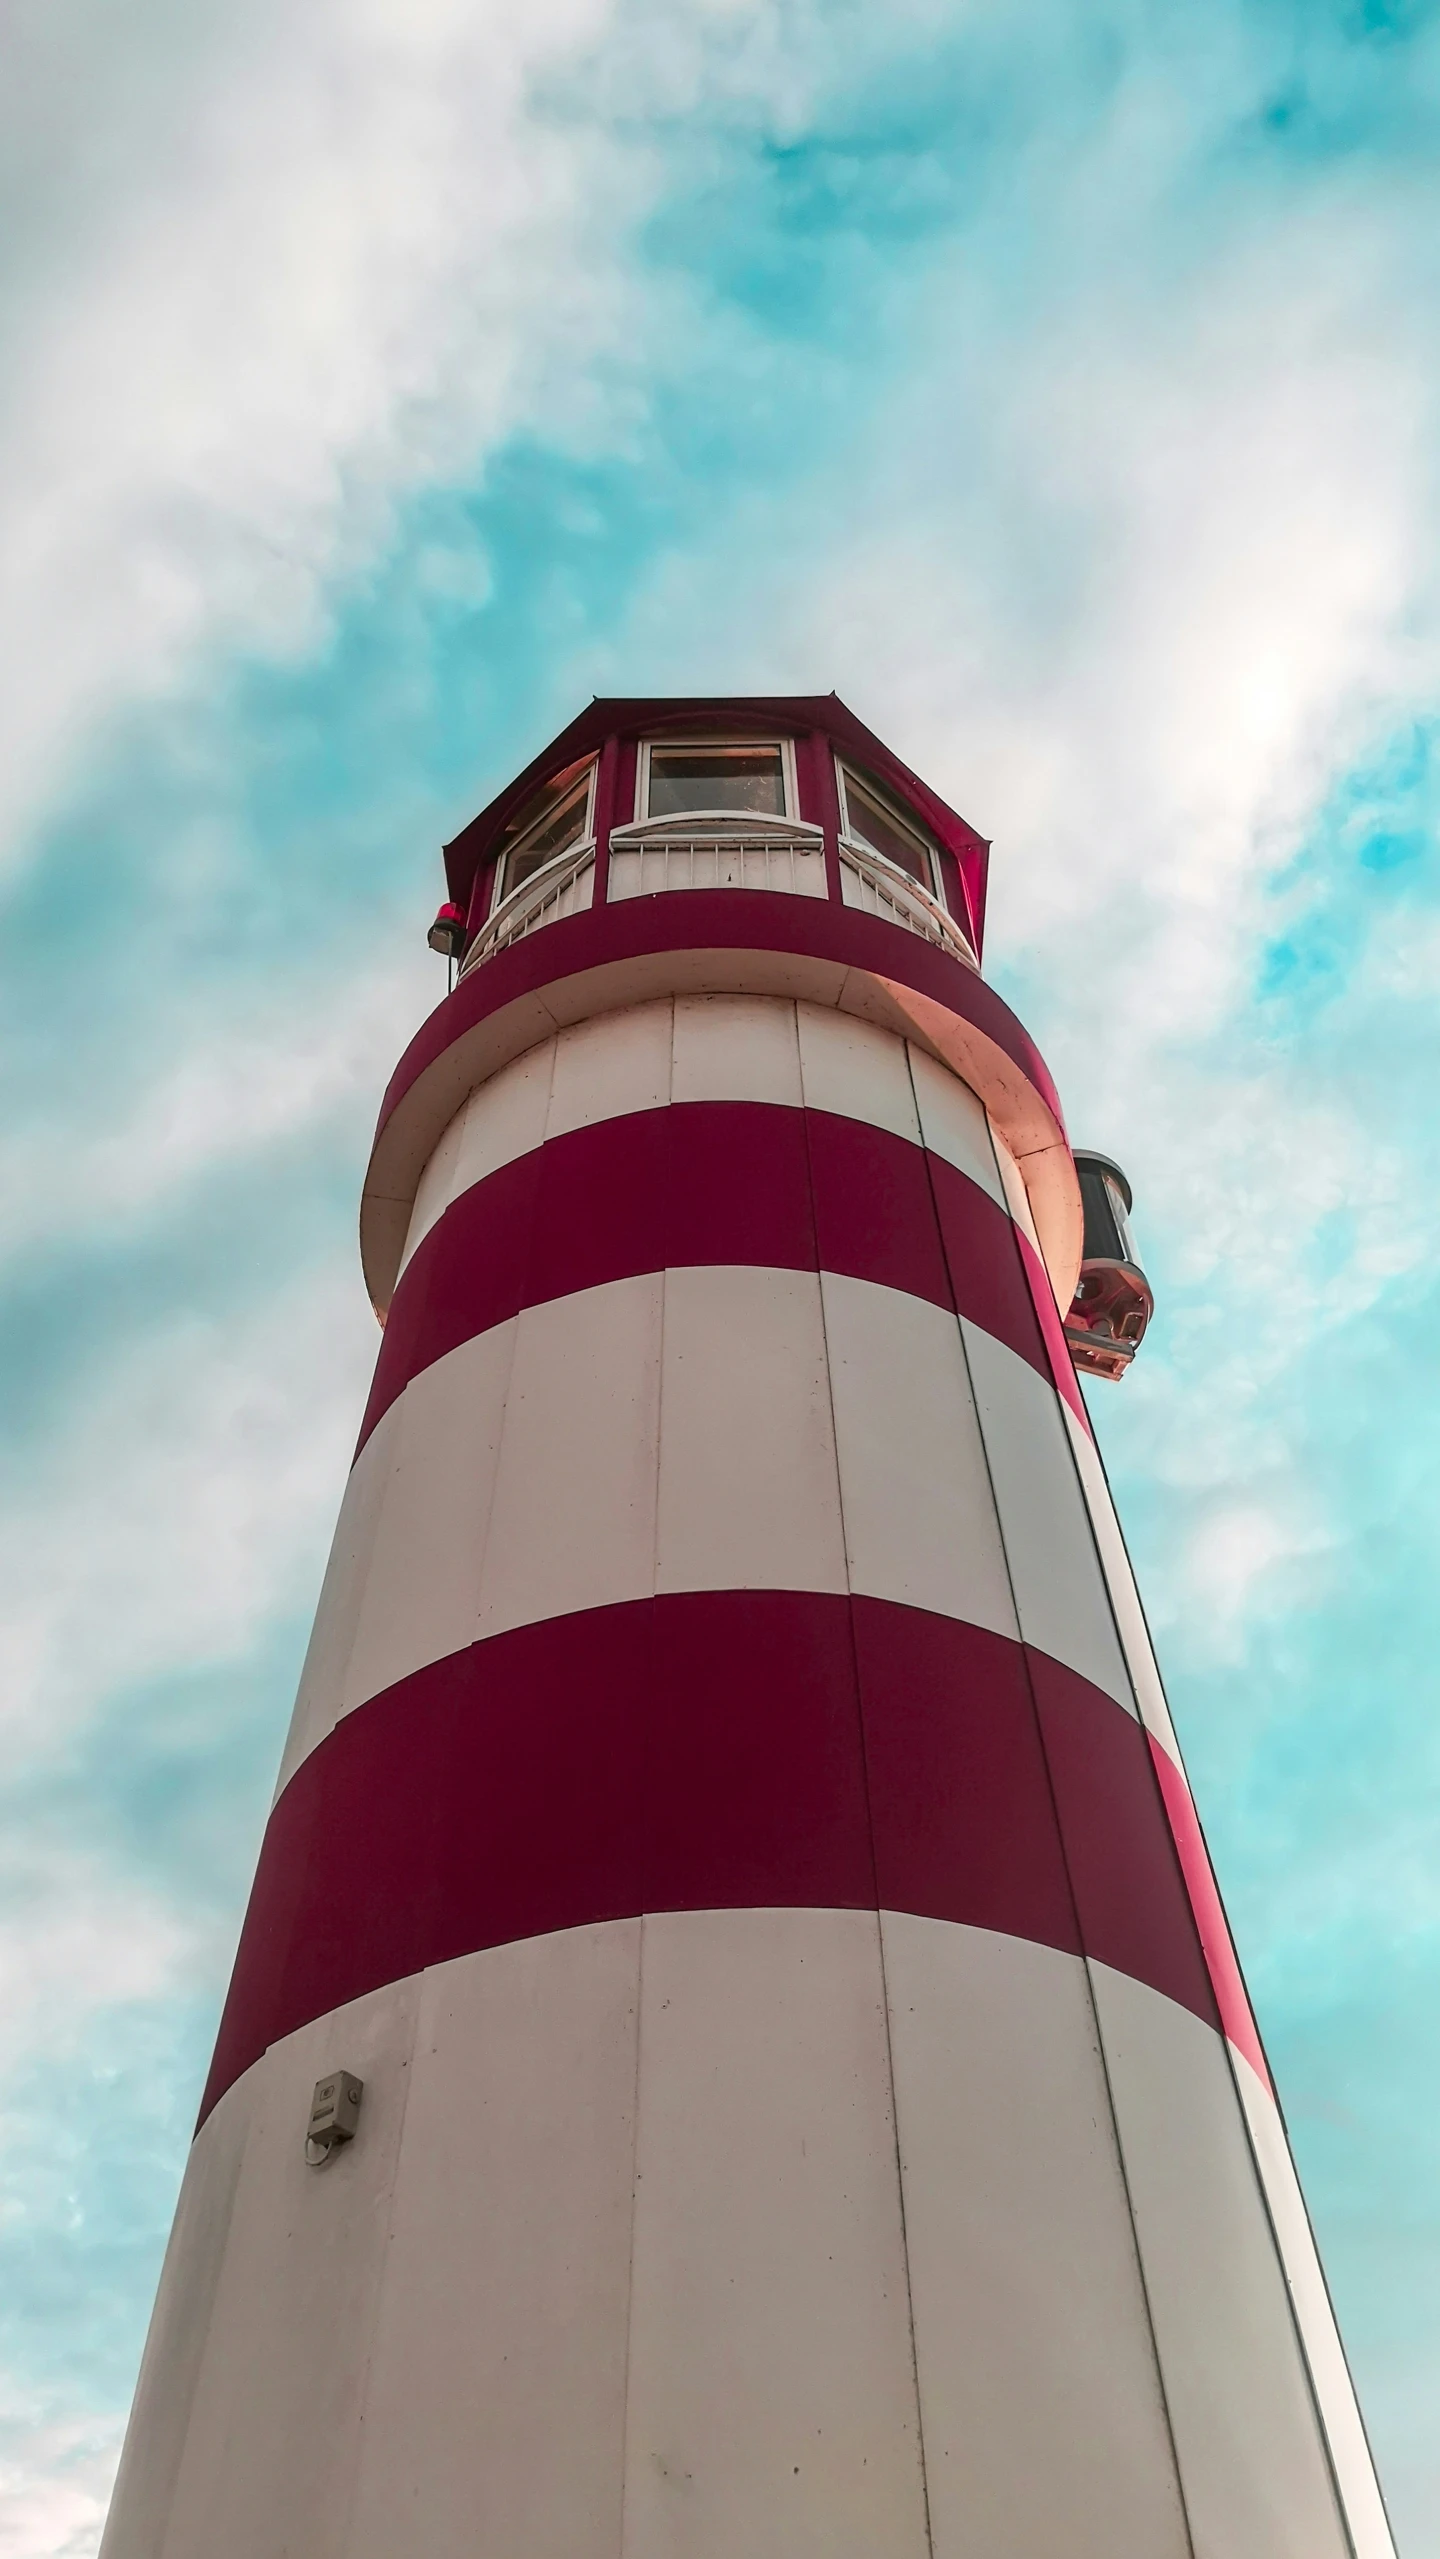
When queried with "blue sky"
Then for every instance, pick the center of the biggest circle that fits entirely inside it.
(382, 378)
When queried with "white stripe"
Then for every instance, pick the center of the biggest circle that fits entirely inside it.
(771, 2394)
(621, 2236)
(495, 2401)
(716, 1428)
(503, 1120)
(609, 1066)
(1252, 2463)
(735, 1048)
(1364, 2508)
(856, 1070)
(1120, 1581)
(749, 1497)
(573, 1518)
(267, 2328)
(1012, 1192)
(1045, 2429)
(920, 1523)
(1060, 1592)
(709, 1048)
(418, 1601)
(953, 1122)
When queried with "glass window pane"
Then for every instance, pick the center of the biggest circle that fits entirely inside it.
(1122, 1222)
(550, 833)
(716, 777)
(874, 824)
(1102, 1237)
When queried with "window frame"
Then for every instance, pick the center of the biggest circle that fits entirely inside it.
(503, 887)
(933, 884)
(760, 818)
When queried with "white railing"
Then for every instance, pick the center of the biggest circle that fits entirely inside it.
(876, 889)
(566, 888)
(646, 865)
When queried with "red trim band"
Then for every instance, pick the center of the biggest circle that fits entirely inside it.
(704, 1184)
(701, 941)
(1231, 1996)
(719, 920)
(710, 1750)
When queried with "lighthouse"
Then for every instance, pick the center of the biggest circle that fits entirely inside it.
(735, 2050)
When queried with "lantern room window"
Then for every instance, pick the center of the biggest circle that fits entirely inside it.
(557, 819)
(872, 819)
(1105, 1194)
(714, 778)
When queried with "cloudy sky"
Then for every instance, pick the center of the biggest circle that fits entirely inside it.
(1057, 379)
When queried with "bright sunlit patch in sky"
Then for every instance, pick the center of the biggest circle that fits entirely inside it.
(1060, 384)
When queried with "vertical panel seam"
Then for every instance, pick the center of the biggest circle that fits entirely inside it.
(634, 2216)
(920, 2447)
(1252, 2148)
(1039, 1728)
(382, 2281)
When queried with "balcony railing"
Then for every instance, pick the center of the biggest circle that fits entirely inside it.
(648, 861)
(876, 889)
(566, 888)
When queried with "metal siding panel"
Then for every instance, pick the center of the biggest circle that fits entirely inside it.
(772, 2399)
(1013, 1193)
(1256, 2481)
(855, 1070)
(1329, 2372)
(573, 1524)
(919, 1515)
(1045, 2428)
(495, 2410)
(953, 1124)
(422, 1595)
(505, 1117)
(735, 1048)
(749, 1495)
(179, 2334)
(436, 1187)
(1125, 1598)
(607, 1067)
(271, 2448)
(342, 1594)
(1060, 1592)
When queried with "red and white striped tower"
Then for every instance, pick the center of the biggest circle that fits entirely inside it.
(731, 1825)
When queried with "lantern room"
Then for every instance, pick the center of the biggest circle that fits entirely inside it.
(1113, 1302)
(631, 832)
(639, 798)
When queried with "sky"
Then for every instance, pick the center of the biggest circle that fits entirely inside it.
(1056, 379)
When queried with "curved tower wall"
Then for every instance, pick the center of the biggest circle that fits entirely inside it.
(732, 1826)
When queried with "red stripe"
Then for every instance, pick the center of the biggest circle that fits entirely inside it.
(708, 1750)
(719, 920)
(1059, 1364)
(700, 1184)
(1231, 1997)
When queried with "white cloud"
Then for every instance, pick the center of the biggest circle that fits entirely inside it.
(257, 1063)
(74, 1942)
(355, 255)
(185, 1505)
(55, 2477)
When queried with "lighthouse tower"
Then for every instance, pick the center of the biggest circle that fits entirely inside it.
(735, 2051)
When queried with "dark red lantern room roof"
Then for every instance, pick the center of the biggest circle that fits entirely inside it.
(784, 714)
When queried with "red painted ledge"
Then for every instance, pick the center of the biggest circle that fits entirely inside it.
(709, 941)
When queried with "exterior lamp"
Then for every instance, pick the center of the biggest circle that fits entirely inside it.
(447, 933)
(1113, 1302)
